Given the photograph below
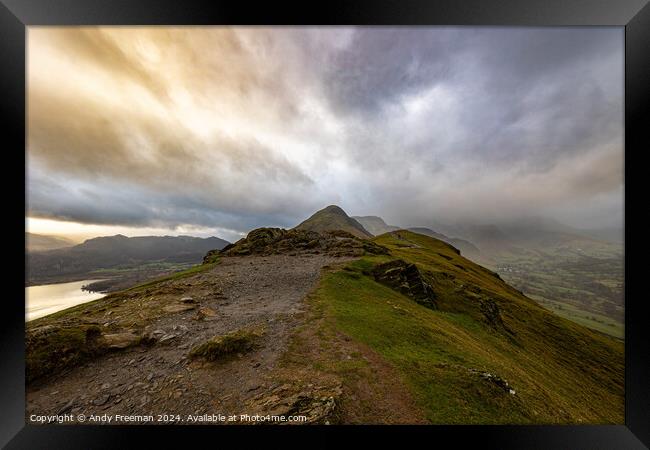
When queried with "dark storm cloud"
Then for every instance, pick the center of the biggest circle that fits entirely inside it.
(509, 106)
(360, 79)
(110, 203)
(246, 127)
(527, 95)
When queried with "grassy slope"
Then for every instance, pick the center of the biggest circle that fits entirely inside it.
(561, 371)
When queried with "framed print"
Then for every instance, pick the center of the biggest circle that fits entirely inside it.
(370, 217)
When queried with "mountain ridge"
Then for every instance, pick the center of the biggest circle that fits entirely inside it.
(377, 226)
(41, 242)
(105, 252)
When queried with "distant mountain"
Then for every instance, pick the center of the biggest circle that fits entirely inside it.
(529, 232)
(40, 242)
(428, 232)
(486, 234)
(111, 251)
(375, 225)
(334, 218)
(614, 235)
(466, 248)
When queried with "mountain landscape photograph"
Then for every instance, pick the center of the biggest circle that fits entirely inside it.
(324, 226)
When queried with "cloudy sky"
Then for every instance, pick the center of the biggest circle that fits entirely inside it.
(158, 130)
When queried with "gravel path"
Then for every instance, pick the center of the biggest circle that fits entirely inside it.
(161, 379)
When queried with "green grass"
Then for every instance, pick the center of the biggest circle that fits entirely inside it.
(561, 371)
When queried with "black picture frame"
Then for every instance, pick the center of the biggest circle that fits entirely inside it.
(634, 15)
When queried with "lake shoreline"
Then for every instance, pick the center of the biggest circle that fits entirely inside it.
(46, 299)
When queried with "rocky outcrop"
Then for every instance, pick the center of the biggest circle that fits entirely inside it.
(213, 255)
(492, 314)
(317, 405)
(495, 379)
(407, 279)
(53, 348)
(270, 241)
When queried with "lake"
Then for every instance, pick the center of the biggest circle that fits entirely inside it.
(50, 298)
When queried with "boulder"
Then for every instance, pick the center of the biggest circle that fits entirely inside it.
(319, 405)
(121, 340)
(406, 278)
(204, 312)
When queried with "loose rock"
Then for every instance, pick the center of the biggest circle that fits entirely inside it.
(178, 308)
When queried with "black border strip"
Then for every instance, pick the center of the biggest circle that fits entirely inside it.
(12, 109)
(637, 336)
(340, 12)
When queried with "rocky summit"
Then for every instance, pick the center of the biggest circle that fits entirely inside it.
(333, 218)
(273, 241)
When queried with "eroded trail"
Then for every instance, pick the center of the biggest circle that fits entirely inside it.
(161, 379)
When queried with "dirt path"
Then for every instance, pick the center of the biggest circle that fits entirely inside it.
(161, 379)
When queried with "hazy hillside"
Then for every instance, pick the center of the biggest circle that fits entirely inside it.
(112, 251)
(466, 248)
(39, 242)
(615, 235)
(375, 225)
(333, 218)
(563, 268)
(531, 232)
